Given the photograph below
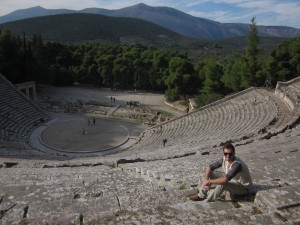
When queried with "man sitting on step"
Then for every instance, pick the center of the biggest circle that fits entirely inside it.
(236, 180)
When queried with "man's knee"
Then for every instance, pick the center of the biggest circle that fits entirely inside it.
(235, 189)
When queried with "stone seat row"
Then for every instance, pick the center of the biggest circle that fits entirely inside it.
(290, 92)
(18, 114)
(94, 198)
(164, 152)
(272, 163)
(91, 192)
(17, 127)
(234, 119)
(293, 88)
(274, 167)
(217, 116)
(12, 148)
(22, 107)
(94, 191)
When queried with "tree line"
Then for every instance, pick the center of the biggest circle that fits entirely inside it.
(125, 67)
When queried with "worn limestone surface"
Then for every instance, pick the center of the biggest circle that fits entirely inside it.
(87, 192)
(147, 183)
(83, 191)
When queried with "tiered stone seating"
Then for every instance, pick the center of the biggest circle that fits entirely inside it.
(147, 183)
(186, 170)
(47, 193)
(243, 116)
(145, 192)
(290, 92)
(18, 115)
(274, 168)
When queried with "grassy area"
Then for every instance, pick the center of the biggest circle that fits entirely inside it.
(183, 186)
(166, 114)
(185, 103)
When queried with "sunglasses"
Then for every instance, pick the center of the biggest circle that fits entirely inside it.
(229, 154)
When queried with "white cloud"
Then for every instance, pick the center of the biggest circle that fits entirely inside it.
(195, 3)
(286, 13)
(215, 15)
(268, 12)
(224, 16)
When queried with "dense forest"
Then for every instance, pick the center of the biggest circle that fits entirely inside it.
(127, 67)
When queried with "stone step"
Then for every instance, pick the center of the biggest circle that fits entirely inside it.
(284, 202)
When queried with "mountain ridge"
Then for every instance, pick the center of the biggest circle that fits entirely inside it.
(169, 18)
(78, 27)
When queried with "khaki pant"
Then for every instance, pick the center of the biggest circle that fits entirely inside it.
(232, 187)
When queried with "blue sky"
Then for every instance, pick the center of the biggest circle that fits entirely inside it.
(267, 12)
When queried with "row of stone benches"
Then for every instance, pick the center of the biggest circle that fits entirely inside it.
(18, 114)
(98, 192)
(236, 118)
(186, 170)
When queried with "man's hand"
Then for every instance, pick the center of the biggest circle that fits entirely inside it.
(206, 184)
(221, 180)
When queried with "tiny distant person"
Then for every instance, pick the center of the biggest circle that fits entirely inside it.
(94, 121)
(236, 179)
(164, 142)
(159, 129)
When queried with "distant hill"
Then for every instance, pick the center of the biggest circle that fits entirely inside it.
(32, 12)
(91, 27)
(97, 28)
(171, 19)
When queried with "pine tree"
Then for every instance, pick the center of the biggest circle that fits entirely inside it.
(251, 55)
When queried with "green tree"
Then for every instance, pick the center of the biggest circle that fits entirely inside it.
(141, 74)
(235, 70)
(159, 69)
(94, 76)
(213, 72)
(284, 62)
(252, 52)
(122, 75)
(198, 67)
(105, 68)
(180, 80)
(11, 56)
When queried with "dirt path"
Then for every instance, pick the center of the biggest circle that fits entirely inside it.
(153, 100)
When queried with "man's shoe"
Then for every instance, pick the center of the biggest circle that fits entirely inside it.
(195, 197)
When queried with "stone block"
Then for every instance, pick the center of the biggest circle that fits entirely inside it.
(283, 202)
